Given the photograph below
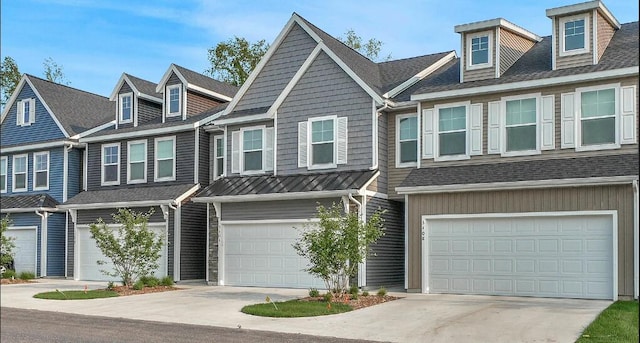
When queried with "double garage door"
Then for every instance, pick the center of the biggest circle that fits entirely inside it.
(567, 256)
(88, 254)
(262, 255)
(25, 240)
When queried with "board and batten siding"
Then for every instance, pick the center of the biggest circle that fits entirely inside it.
(193, 241)
(587, 198)
(578, 60)
(280, 209)
(325, 89)
(279, 69)
(385, 267)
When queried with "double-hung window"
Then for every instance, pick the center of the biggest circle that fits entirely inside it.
(452, 131)
(521, 125)
(20, 169)
(479, 50)
(137, 161)
(574, 35)
(407, 141)
(598, 117)
(26, 112)
(252, 150)
(174, 100)
(218, 158)
(3, 174)
(41, 170)
(165, 159)
(110, 164)
(126, 108)
(323, 142)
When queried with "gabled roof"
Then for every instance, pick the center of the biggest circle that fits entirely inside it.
(129, 197)
(199, 83)
(13, 203)
(143, 88)
(75, 111)
(622, 54)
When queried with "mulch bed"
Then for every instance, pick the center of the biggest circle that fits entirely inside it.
(122, 290)
(361, 302)
(14, 281)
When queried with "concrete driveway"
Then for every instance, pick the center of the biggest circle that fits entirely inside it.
(415, 318)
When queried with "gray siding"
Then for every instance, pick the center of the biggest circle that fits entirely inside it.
(193, 241)
(279, 70)
(148, 111)
(383, 155)
(325, 89)
(198, 103)
(55, 244)
(395, 175)
(283, 209)
(204, 157)
(90, 216)
(123, 90)
(232, 128)
(386, 266)
(70, 246)
(173, 80)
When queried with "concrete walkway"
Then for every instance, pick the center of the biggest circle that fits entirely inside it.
(415, 318)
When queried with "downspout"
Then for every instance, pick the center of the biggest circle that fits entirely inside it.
(43, 242)
(176, 241)
(636, 251)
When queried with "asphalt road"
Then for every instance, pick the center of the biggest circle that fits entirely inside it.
(19, 325)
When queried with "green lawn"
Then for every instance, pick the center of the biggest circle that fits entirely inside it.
(76, 295)
(618, 323)
(295, 308)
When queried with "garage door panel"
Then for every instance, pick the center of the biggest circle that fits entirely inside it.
(25, 247)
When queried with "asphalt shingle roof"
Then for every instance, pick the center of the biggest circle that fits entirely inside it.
(144, 193)
(206, 82)
(144, 86)
(542, 169)
(27, 201)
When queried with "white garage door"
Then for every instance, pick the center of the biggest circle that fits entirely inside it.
(541, 256)
(25, 240)
(88, 255)
(262, 255)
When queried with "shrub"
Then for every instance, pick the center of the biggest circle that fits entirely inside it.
(166, 281)
(138, 285)
(150, 281)
(9, 274)
(313, 292)
(7, 244)
(382, 291)
(111, 285)
(328, 296)
(26, 276)
(354, 290)
(354, 296)
(365, 293)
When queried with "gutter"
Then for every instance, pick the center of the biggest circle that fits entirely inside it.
(31, 209)
(276, 196)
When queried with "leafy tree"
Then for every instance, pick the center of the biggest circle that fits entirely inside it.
(9, 77)
(53, 72)
(337, 244)
(232, 61)
(370, 48)
(7, 244)
(132, 247)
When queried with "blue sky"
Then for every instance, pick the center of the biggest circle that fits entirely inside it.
(96, 40)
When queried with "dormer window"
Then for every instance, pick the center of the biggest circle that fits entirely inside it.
(126, 108)
(479, 50)
(174, 101)
(574, 35)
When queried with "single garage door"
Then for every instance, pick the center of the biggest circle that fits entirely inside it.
(262, 255)
(89, 254)
(541, 256)
(26, 245)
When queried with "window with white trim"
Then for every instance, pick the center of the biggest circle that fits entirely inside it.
(165, 159)
(406, 140)
(41, 170)
(3, 174)
(26, 112)
(20, 170)
(110, 164)
(323, 142)
(126, 108)
(479, 47)
(252, 150)
(598, 117)
(574, 35)
(218, 158)
(452, 131)
(521, 125)
(174, 100)
(137, 161)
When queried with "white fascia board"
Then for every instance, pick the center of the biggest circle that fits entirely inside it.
(242, 119)
(498, 22)
(209, 92)
(140, 133)
(94, 130)
(116, 89)
(115, 204)
(598, 75)
(363, 189)
(38, 146)
(187, 194)
(498, 186)
(212, 128)
(30, 209)
(13, 97)
(421, 75)
(276, 196)
(165, 78)
(584, 7)
(149, 97)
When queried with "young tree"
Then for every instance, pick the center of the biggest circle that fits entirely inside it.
(337, 244)
(9, 78)
(132, 247)
(53, 72)
(371, 48)
(232, 61)
(7, 244)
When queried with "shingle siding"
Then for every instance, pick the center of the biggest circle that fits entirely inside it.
(193, 241)
(605, 32)
(385, 267)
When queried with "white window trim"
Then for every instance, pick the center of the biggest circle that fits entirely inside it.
(242, 130)
(470, 65)
(155, 159)
(561, 22)
(26, 174)
(20, 112)
(215, 156)
(436, 132)
(405, 164)
(333, 164)
(5, 160)
(144, 160)
(102, 165)
(503, 125)
(35, 171)
(168, 100)
(120, 112)
(578, 121)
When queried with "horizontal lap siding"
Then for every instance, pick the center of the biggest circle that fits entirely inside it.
(281, 209)
(605, 33)
(383, 155)
(204, 161)
(74, 170)
(619, 198)
(148, 111)
(512, 47)
(386, 266)
(85, 217)
(197, 103)
(395, 175)
(56, 226)
(586, 58)
(229, 146)
(482, 73)
(123, 90)
(193, 241)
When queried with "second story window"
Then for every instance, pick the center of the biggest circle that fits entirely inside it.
(598, 117)
(26, 112)
(218, 158)
(41, 170)
(3, 174)
(479, 50)
(520, 125)
(574, 35)
(322, 142)
(452, 131)
(137, 162)
(126, 108)
(407, 140)
(165, 159)
(20, 170)
(252, 150)
(174, 100)
(110, 164)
